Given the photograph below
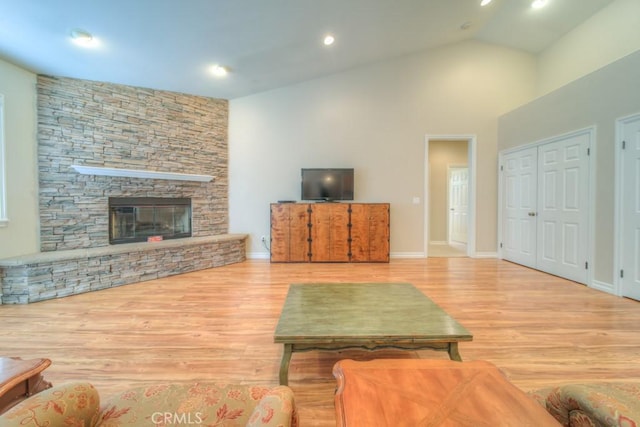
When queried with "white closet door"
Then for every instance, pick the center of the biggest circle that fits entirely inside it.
(563, 207)
(630, 254)
(519, 174)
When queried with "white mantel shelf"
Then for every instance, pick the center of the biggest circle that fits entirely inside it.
(140, 173)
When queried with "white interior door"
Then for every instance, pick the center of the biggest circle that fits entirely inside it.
(630, 215)
(458, 204)
(563, 207)
(519, 187)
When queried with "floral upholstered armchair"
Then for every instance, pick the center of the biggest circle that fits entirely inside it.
(592, 405)
(202, 405)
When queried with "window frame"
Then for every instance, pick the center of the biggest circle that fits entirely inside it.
(3, 189)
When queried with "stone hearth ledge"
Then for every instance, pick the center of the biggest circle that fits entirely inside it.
(47, 275)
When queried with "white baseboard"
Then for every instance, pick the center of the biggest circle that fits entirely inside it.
(258, 255)
(603, 286)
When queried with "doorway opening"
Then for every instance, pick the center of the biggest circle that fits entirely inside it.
(450, 207)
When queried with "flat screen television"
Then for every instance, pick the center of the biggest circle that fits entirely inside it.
(327, 184)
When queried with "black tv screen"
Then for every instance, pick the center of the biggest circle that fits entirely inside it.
(327, 184)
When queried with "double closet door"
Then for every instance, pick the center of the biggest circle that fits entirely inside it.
(545, 206)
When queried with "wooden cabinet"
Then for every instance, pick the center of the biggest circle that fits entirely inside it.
(289, 232)
(330, 232)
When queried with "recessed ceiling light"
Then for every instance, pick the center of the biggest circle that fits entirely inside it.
(82, 37)
(537, 4)
(328, 40)
(485, 2)
(219, 70)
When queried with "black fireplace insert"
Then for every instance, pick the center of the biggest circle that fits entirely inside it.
(139, 219)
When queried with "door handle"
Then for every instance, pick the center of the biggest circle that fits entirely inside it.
(531, 214)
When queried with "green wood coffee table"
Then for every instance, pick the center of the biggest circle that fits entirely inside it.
(371, 316)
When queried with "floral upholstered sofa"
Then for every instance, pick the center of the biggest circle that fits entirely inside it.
(78, 405)
(592, 405)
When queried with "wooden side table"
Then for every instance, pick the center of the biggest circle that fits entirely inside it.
(421, 392)
(20, 379)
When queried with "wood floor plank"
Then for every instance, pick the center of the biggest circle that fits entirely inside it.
(217, 325)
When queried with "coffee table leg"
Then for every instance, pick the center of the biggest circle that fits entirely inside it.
(453, 352)
(284, 365)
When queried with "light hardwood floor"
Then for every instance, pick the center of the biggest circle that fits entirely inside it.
(217, 325)
(446, 251)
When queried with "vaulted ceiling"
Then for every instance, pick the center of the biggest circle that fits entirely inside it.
(265, 44)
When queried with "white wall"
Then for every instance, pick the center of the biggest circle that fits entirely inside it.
(607, 36)
(20, 236)
(375, 119)
(596, 99)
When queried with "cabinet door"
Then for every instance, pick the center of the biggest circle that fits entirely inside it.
(298, 232)
(329, 232)
(359, 232)
(279, 233)
(379, 223)
(340, 232)
(369, 232)
(289, 232)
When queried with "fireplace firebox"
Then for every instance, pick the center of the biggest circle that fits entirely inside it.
(138, 219)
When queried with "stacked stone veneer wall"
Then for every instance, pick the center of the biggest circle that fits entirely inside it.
(101, 124)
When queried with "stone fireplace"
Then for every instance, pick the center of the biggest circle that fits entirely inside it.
(107, 127)
(165, 142)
